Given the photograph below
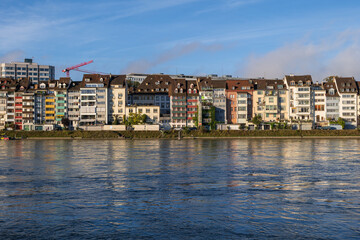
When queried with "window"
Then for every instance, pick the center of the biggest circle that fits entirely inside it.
(155, 110)
(147, 110)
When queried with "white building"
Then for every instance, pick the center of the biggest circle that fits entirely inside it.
(94, 99)
(320, 103)
(347, 89)
(27, 69)
(332, 101)
(301, 97)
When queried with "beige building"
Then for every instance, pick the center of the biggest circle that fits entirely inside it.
(152, 112)
(117, 98)
(269, 99)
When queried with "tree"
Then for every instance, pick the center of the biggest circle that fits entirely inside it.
(66, 122)
(340, 121)
(329, 79)
(213, 121)
(257, 120)
(136, 118)
(116, 121)
(196, 119)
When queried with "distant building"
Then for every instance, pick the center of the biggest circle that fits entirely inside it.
(27, 69)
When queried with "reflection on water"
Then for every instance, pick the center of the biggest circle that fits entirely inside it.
(212, 189)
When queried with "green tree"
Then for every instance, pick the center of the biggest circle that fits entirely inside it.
(340, 121)
(66, 122)
(212, 116)
(257, 120)
(196, 119)
(329, 78)
(116, 121)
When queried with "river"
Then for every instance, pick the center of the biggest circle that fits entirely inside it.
(187, 189)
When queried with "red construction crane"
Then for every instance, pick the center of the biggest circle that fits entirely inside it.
(67, 70)
(76, 68)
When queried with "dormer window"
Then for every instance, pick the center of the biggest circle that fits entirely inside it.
(292, 83)
(331, 92)
(176, 90)
(192, 85)
(194, 90)
(87, 79)
(101, 79)
(178, 85)
(146, 83)
(300, 83)
(308, 83)
(52, 85)
(166, 83)
(157, 82)
(42, 85)
(233, 88)
(181, 90)
(189, 91)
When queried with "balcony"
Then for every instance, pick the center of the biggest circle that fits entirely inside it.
(178, 105)
(179, 111)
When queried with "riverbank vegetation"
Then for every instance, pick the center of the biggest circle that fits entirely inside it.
(175, 134)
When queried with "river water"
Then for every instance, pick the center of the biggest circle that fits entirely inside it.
(188, 189)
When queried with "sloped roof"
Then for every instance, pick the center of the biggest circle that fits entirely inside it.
(239, 85)
(95, 78)
(266, 84)
(346, 84)
(298, 78)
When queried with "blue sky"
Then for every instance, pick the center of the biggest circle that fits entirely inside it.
(246, 38)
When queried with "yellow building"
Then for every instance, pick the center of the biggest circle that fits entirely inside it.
(118, 98)
(152, 112)
(269, 100)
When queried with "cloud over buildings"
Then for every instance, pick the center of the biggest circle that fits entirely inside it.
(144, 65)
(332, 55)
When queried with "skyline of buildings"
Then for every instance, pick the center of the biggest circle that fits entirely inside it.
(176, 101)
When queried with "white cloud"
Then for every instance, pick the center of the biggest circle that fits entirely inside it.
(333, 55)
(143, 65)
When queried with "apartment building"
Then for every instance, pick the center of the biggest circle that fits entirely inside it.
(118, 96)
(28, 109)
(154, 90)
(213, 93)
(4, 87)
(348, 91)
(94, 99)
(301, 97)
(332, 101)
(73, 105)
(184, 97)
(320, 103)
(50, 101)
(192, 104)
(239, 101)
(61, 98)
(269, 99)
(27, 69)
